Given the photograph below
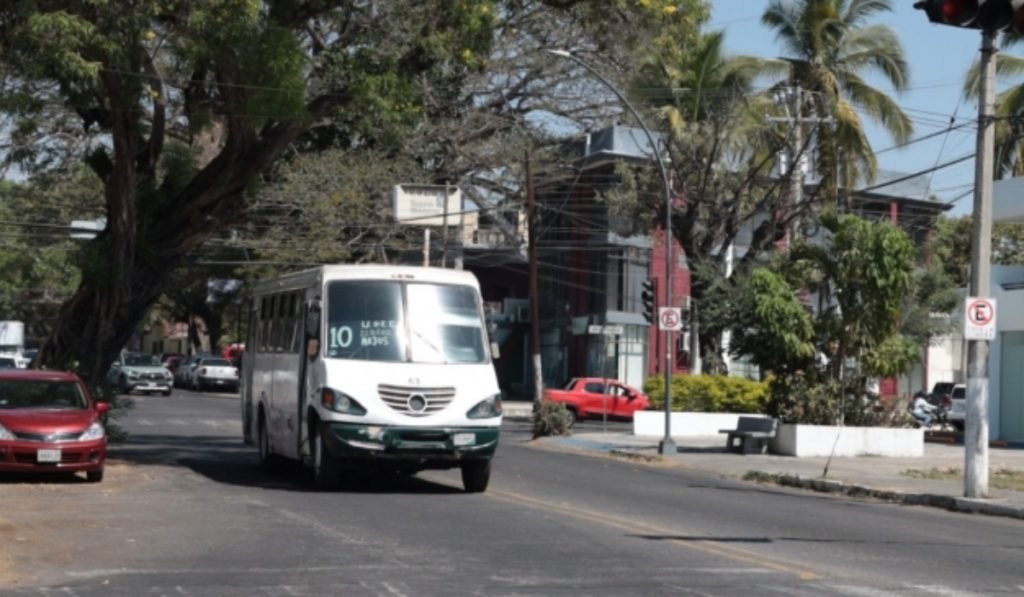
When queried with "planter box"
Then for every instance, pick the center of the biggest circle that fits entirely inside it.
(817, 440)
(684, 424)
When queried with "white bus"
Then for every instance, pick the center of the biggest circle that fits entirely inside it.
(369, 365)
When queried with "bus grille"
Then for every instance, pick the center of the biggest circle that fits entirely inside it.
(415, 401)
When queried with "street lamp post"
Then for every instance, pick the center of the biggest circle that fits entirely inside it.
(666, 446)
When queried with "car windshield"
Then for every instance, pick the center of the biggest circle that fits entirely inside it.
(41, 394)
(404, 322)
(942, 388)
(216, 363)
(136, 359)
(959, 392)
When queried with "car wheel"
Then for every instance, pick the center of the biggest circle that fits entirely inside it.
(94, 476)
(573, 416)
(326, 472)
(166, 392)
(476, 474)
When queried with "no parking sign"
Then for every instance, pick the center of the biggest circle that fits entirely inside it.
(979, 318)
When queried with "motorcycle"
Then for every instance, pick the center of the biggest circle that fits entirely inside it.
(940, 416)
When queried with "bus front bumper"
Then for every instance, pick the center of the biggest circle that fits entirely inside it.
(428, 445)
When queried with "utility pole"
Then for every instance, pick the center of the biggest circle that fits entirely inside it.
(531, 226)
(991, 17)
(976, 424)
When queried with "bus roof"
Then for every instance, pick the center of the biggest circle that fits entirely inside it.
(325, 273)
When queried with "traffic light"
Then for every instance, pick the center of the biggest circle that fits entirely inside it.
(990, 15)
(649, 297)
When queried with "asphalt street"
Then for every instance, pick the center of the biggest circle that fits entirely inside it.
(186, 511)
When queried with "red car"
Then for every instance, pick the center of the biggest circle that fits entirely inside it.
(49, 424)
(587, 397)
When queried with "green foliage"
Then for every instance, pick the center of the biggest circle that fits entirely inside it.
(799, 398)
(709, 393)
(803, 399)
(552, 418)
(862, 279)
(40, 261)
(770, 324)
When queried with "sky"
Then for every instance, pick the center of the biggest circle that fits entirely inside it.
(938, 57)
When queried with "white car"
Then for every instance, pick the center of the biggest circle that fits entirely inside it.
(958, 406)
(138, 371)
(213, 372)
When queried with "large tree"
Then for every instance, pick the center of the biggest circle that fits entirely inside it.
(179, 107)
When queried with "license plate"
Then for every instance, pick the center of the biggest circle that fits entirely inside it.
(48, 456)
(464, 439)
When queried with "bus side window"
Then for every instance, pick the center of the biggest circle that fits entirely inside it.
(263, 320)
(294, 323)
(282, 323)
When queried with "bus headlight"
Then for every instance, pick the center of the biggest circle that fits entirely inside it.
(340, 402)
(486, 409)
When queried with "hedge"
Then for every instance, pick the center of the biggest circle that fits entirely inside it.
(710, 393)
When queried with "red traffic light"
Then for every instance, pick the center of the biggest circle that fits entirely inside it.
(959, 13)
(990, 15)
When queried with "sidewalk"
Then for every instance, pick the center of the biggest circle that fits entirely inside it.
(869, 476)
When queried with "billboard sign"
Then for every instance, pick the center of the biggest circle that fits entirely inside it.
(424, 204)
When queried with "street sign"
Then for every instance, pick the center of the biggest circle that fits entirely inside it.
(979, 318)
(670, 319)
(607, 330)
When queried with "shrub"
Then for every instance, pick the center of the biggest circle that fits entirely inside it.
(798, 399)
(709, 393)
(552, 418)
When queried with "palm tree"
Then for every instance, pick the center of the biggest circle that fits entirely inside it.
(1009, 108)
(829, 48)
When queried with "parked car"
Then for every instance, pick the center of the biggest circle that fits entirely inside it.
(587, 397)
(140, 371)
(187, 367)
(49, 423)
(214, 372)
(958, 406)
(8, 363)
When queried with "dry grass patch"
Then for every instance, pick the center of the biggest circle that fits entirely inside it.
(1002, 478)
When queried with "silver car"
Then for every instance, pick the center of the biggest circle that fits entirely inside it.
(138, 371)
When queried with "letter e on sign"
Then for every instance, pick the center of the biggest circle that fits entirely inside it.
(979, 318)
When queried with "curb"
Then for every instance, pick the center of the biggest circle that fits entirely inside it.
(948, 502)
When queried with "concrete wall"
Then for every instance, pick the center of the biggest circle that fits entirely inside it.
(684, 424)
(808, 441)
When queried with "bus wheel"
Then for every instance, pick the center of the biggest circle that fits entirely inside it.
(326, 472)
(263, 441)
(475, 475)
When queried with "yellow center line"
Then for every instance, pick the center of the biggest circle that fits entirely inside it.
(737, 554)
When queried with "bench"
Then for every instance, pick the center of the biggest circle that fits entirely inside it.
(753, 433)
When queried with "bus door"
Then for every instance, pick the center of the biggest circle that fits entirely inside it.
(308, 377)
(247, 366)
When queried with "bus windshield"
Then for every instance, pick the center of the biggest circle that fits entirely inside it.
(404, 322)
